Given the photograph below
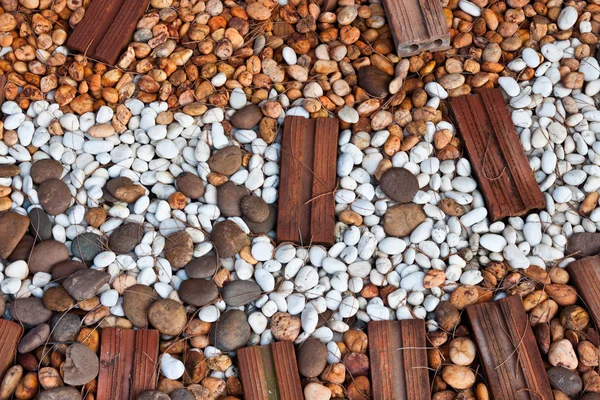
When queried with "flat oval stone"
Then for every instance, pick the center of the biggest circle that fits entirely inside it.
(182, 394)
(228, 238)
(401, 220)
(231, 331)
(30, 311)
(23, 249)
(65, 327)
(34, 338)
(60, 393)
(63, 270)
(167, 316)
(47, 254)
(267, 225)
(226, 161)
(81, 365)
(255, 209)
(312, 358)
(8, 171)
(124, 239)
(202, 267)
(583, 244)
(41, 226)
(229, 199)
(136, 301)
(399, 184)
(85, 283)
(239, 293)
(55, 196)
(198, 292)
(190, 185)
(374, 81)
(87, 246)
(565, 380)
(246, 117)
(153, 395)
(45, 169)
(179, 249)
(56, 298)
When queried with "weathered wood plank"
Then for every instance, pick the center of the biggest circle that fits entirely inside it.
(585, 276)
(270, 372)
(306, 211)
(508, 351)
(398, 357)
(417, 25)
(497, 157)
(128, 363)
(10, 334)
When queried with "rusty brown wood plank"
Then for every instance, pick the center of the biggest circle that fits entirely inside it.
(121, 31)
(398, 357)
(585, 276)
(270, 372)
(10, 334)
(497, 157)
(306, 212)
(417, 25)
(128, 362)
(508, 351)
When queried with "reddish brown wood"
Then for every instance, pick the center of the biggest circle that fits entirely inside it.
(585, 276)
(3, 81)
(497, 157)
(128, 363)
(398, 357)
(10, 334)
(270, 372)
(306, 213)
(417, 25)
(508, 351)
(107, 28)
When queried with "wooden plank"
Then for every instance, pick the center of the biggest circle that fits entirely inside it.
(88, 34)
(417, 25)
(306, 212)
(508, 351)
(585, 276)
(270, 372)
(3, 81)
(398, 355)
(120, 33)
(128, 363)
(497, 157)
(10, 334)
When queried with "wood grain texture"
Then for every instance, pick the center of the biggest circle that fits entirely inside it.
(585, 276)
(417, 25)
(306, 212)
(128, 363)
(121, 31)
(508, 351)
(497, 157)
(270, 372)
(398, 355)
(10, 334)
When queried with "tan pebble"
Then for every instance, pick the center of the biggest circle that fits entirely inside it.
(558, 275)
(562, 354)
(562, 294)
(89, 337)
(458, 376)
(588, 354)
(10, 381)
(350, 217)
(49, 378)
(434, 278)
(589, 203)
(462, 351)
(28, 387)
(5, 203)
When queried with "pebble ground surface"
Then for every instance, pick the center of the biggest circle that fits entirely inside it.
(150, 190)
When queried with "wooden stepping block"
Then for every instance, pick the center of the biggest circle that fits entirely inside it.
(417, 26)
(585, 276)
(128, 363)
(398, 357)
(10, 334)
(508, 351)
(270, 372)
(306, 213)
(107, 28)
(497, 157)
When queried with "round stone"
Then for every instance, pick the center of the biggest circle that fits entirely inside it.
(179, 249)
(34, 338)
(239, 293)
(60, 393)
(565, 380)
(228, 238)
(255, 209)
(190, 185)
(136, 301)
(231, 331)
(229, 199)
(124, 239)
(45, 169)
(266, 226)
(312, 358)
(198, 292)
(56, 298)
(41, 226)
(86, 283)
(399, 184)
(401, 220)
(202, 267)
(47, 254)
(81, 365)
(55, 196)
(167, 316)
(247, 117)
(63, 270)
(23, 249)
(374, 81)
(87, 246)
(30, 311)
(153, 395)
(226, 161)
(65, 327)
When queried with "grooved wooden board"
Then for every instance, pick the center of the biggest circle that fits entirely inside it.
(497, 157)
(306, 213)
(398, 355)
(107, 28)
(508, 351)
(10, 334)
(270, 372)
(417, 25)
(128, 363)
(585, 275)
